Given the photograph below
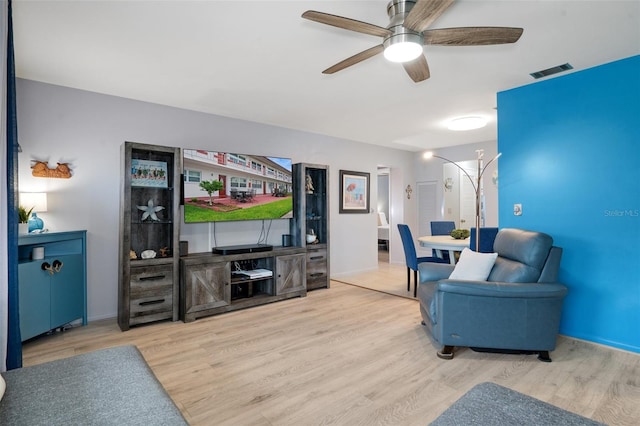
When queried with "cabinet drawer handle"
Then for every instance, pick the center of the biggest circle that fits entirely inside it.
(151, 302)
(153, 277)
(317, 274)
(316, 257)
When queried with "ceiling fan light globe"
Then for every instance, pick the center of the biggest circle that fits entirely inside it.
(402, 52)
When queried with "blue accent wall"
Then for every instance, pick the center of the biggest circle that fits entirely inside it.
(571, 155)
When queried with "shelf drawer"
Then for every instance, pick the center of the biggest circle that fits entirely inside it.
(315, 257)
(316, 263)
(317, 280)
(317, 269)
(151, 293)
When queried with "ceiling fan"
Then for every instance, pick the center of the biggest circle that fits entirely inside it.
(407, 32)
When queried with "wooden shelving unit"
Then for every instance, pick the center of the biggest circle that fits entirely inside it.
(148, 287)
(311, 216)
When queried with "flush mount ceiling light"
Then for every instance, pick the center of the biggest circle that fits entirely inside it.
(466, 123)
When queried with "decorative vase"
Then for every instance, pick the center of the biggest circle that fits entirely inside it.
(35, 223)
(311, 237)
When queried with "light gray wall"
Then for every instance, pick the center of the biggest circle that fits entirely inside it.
(86, 129)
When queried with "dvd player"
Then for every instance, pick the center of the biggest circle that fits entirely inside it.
(242, 248)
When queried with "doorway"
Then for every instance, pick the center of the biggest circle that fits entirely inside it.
(222, 193)
(383, 209)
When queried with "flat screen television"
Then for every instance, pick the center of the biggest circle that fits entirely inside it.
(224, 186)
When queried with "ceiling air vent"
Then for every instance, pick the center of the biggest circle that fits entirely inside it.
(551, 71)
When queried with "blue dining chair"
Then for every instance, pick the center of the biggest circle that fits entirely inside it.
(442, 227)
(411, 257)
(487, 236)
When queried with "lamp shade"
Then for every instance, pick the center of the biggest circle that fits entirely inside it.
(37, 200)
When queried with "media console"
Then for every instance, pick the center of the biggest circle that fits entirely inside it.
(212, 283)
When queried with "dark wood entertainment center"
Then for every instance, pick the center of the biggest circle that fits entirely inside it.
(156, 283)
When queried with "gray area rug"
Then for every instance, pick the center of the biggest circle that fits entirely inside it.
(107, 387)
(492, 404)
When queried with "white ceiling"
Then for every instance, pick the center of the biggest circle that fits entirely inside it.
(260, 61)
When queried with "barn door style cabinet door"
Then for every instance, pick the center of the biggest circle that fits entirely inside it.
(205, 288)
(148, 287)
(310, 225)
(290, 270)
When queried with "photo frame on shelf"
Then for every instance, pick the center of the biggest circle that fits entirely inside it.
(149, 173)
(354, 192)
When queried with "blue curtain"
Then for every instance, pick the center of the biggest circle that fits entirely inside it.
(14, 342)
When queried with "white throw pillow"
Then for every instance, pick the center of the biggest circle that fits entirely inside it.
(473, 266)
(3, 386)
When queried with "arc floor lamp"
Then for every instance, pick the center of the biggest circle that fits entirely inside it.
(476, 184)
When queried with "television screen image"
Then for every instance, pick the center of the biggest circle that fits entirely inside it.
(224, 186)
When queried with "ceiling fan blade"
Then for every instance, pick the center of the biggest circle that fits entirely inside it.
(424, 12)
(346, 23)
(472, 36)
(359, 57)
(418, 69)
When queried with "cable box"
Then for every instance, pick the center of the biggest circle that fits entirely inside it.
(242, 248)
(256, 273)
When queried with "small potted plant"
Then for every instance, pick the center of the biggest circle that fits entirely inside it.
(23, 219)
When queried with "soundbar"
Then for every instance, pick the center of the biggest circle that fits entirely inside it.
(242, 248)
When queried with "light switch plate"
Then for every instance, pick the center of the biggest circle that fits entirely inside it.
(517, 209)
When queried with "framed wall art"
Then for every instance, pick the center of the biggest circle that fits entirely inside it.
(354, 192)
(148, 173)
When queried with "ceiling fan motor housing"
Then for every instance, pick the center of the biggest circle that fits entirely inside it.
(398, 11)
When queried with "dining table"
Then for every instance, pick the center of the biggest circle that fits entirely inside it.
(444, 242)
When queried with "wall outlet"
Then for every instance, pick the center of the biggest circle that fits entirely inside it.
(517, 209)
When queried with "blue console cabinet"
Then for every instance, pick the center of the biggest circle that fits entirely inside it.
(52, 290)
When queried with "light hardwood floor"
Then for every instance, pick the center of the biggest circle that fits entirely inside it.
(345, 356)
(388, 278)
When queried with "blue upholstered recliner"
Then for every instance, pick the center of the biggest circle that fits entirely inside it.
(517, 309)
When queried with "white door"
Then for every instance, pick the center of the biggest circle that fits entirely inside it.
(427, 207)
(467, 196)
